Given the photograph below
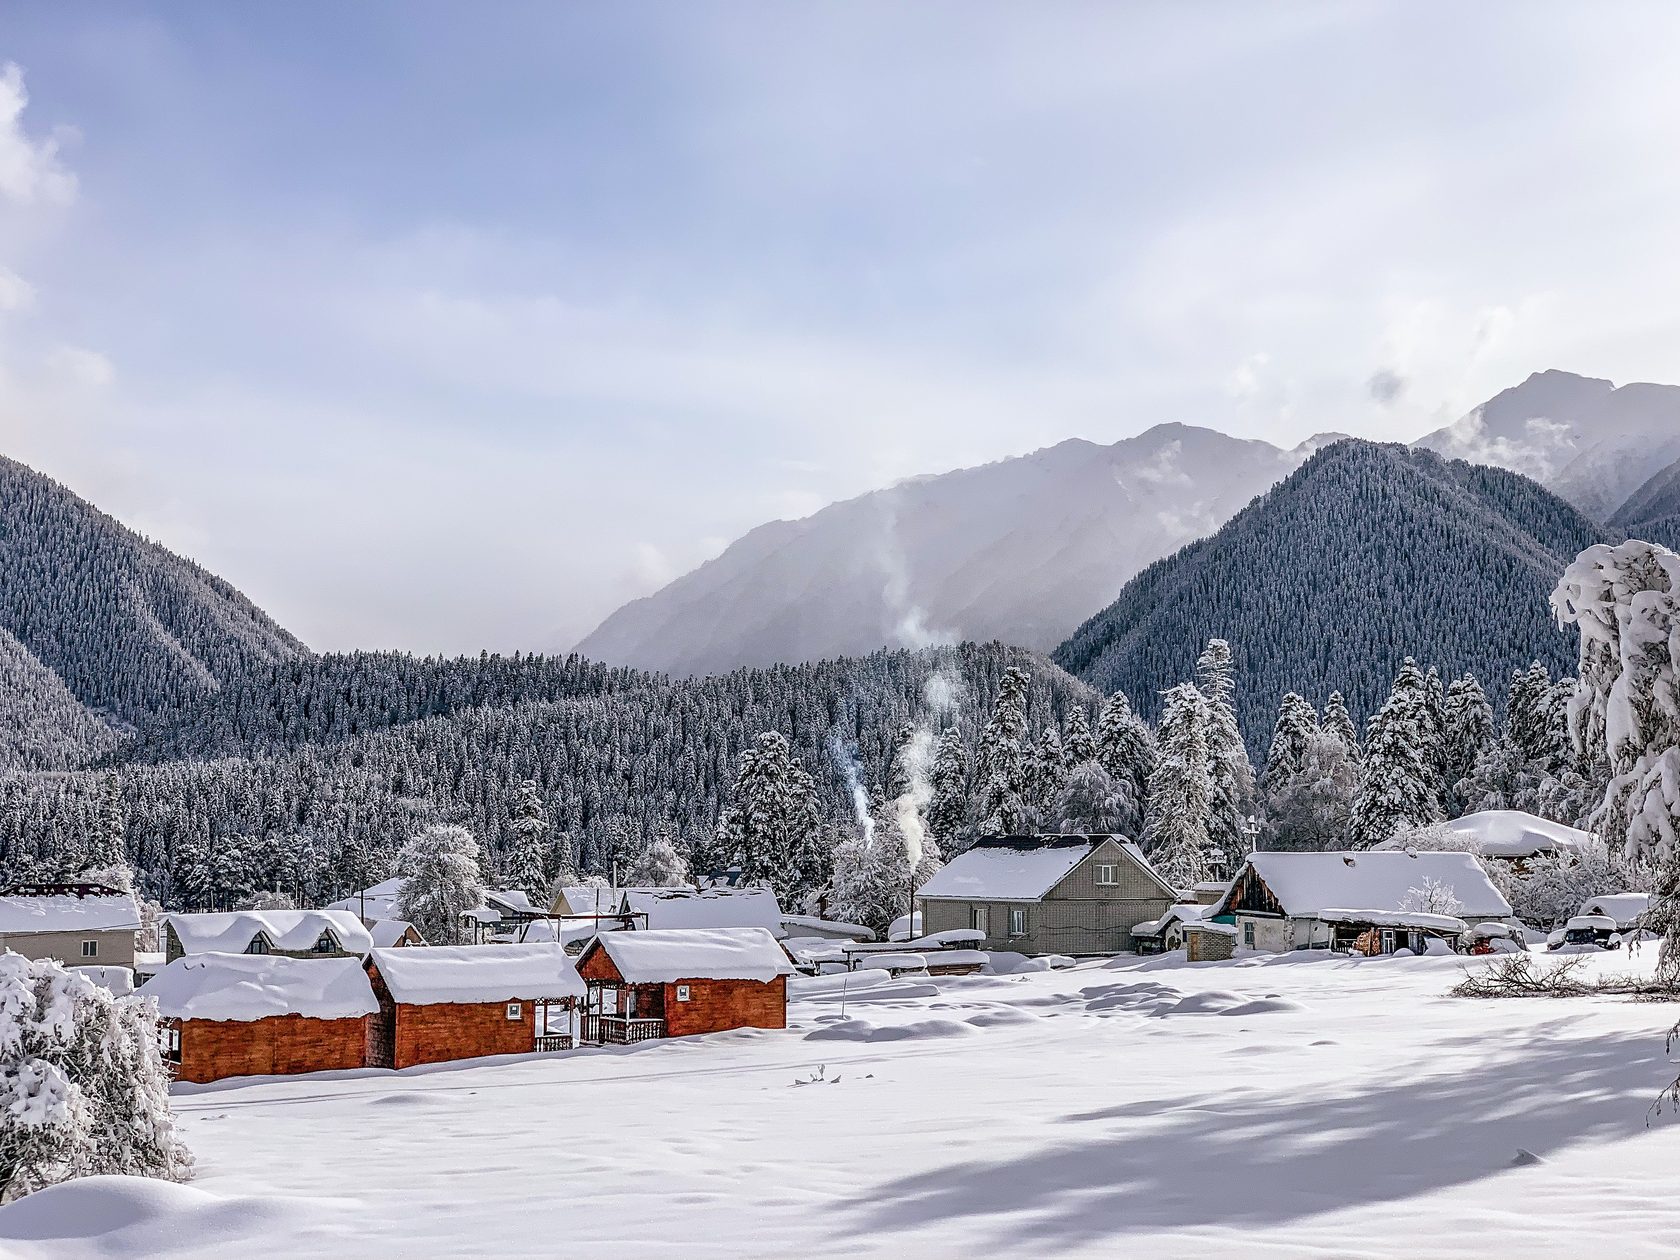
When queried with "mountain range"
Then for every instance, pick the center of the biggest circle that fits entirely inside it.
(1023, 549)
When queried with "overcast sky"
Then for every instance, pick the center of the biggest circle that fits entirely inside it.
(448, 326)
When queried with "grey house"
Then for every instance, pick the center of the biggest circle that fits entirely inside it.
(1047, 894)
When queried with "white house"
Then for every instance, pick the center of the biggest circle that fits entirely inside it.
(75, 924)
(1284, 901)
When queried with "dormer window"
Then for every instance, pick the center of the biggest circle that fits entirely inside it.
(326, 945)
(258, 945)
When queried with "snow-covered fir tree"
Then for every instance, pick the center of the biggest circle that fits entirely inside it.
(1297, 723)
(1090, 802)
(1181, 791)
(1233, 776)
(1001, 771)
(1467, 736)
(772, 823)
(528, 821)
(1126, 750)
(440, 879)
(1397, 790)
(1338, 722)
(1045, 771)
(947, 812)
(661, 864)
(1309, 809)
(1077, 740)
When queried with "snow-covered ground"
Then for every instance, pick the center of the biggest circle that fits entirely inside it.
(1279, 1106)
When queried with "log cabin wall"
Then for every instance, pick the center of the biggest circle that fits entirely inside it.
(719, 1005)
(278, 1045)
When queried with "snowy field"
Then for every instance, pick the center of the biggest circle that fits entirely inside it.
(1277, 1106)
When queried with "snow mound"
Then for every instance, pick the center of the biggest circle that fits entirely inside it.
(1002, 1016)
(136, 1216)
(1221, 1002)
(864, 1030)
(1004, 963)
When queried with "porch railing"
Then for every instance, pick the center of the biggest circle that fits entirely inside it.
(621, 1030)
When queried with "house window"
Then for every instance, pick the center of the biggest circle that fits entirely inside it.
(1106, 874)
(1017, 921)
(1388, 940)
(258, 945)
(326, 944)
(682, 993)
(1248, 934)
(90, 949)
(977, 920)
(515, 1010)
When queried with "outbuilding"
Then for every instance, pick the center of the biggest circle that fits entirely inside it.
(260, 1015)
(682, 981)
(448, 1002)
(77, 924)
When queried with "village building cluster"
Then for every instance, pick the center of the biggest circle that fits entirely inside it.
(353, 986)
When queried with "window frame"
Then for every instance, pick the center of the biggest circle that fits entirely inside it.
(260, 944)
(1108, 875)
(1248, 934)
(1017, 915)
(515, 1011)
(90, 949)
(980, 919)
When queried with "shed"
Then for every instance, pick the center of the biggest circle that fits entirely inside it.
(76, 924)
(394, 934)
(465, 1001)
(1330, 900)
(1047, 894)
(294, 933)
(259, 1015)
(678, 982)
(1207, 941)
(1167, 933)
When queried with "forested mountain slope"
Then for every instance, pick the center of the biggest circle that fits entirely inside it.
(309, 819)
(130, 628)
(1652, 512)
(1366, 555)
(1020, 550)
(43, 726)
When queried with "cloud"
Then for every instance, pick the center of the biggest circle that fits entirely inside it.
(79, 367)
(30, 172)
(1386, 386)
(16, 293)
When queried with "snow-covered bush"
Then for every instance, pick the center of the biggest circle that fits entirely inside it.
(83, 1088)
(1432, 897)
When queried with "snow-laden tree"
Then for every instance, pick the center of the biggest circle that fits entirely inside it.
(1397, 789)
(1181, 791)
(1432, 896)
(1002, 760)
(1090, 802)
(1045, 771)
(1468, 735)
(661, 864)
(528, 821)
(83, 1087)
(947, 811)
(1337, 721)
(1297, 723)
(440, 879)
(1310, 808)
(1077, 740)
(1126, 749)
(872, 871)
(1435, 732)
(772, 823)
(1233, 776)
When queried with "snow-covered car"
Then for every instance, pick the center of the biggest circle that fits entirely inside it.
(1588, 929)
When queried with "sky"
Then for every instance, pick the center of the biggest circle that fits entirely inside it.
(448, 327)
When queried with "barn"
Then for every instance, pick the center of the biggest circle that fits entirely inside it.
(261, 1014)
(448, 1002)
(679, 982)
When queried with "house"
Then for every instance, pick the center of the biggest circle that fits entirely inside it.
(294, 933)
(449, 1002)
(262, 1014)
(1510, 835)
(72, 923)
(677, 982)
(660, 909)
(1377, 900)
(378, 902)
(1047, 894)
(1627, 910)
(394, 933)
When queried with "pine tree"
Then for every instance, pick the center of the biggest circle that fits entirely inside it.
(1126, 749)
(947, 814)
(1002, 759)
(440, 880)
(1077, 740)
(1296, 724)
(1181, 791)
(1435, 732)
(1468, 737)
(1339, 723)
(528, 821)
(1045, 771)
(1233, 776)
(772, 822)
(1397, 790)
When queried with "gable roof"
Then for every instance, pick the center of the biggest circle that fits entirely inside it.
(1306, 884)
(672, 954)
(97, 909)
(387, 932)
(706, 908)
(465, 974)
(247, 987)
(294, 930)
(1023, 868)
(1507, 833)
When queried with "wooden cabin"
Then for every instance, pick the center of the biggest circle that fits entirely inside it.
(682, 981)
(292, 933)
(449, 1002)
(394, 934)
(261, 1015)
(77, 924)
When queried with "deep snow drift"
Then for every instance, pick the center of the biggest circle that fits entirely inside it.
(1281, 1106)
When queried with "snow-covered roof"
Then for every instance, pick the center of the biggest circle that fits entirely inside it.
(1625, 908)
(441, 974)
(514, 901)
(591, 898)
(377, 902)
(810, 925)
(1509, 833)
(387, 932)
(1594, 922)
(1181, 912)
(1208, 925)
(706, 908)
(289, 930)
(66, 912)
(1394, 918)
(246, 987)
(1306, 883)
(672, 954)
(1012, 868)
(119, 980)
